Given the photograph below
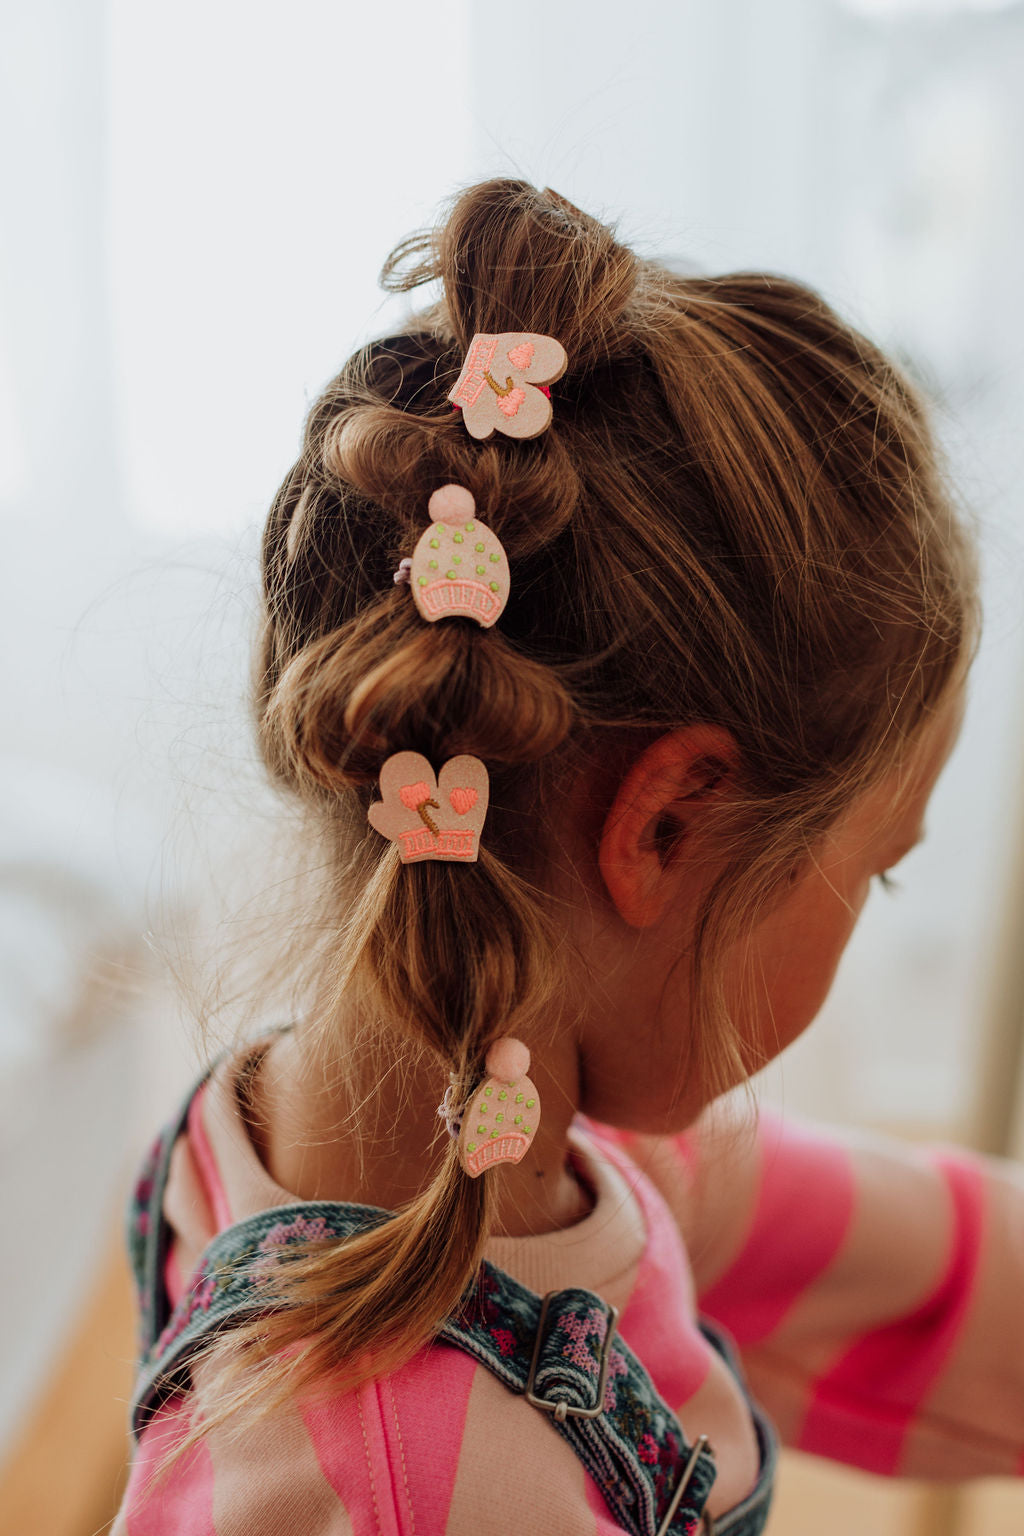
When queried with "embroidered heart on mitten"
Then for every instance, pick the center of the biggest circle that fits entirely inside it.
(509, 404)
(463, 799)
(521, 356)
(415, 795)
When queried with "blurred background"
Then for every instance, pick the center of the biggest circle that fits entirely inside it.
(194, 204)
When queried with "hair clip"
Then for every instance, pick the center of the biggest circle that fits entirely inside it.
(432, 817)
(498, 1122)
(458, 569)
(501, 386)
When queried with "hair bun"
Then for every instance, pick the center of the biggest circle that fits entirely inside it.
(513, 258)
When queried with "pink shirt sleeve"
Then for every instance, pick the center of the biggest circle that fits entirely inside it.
(873, 1289)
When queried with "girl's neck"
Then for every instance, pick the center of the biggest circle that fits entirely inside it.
(301, 1126)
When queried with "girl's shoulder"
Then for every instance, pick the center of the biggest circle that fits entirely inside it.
(213, 1179)
(442, 1433)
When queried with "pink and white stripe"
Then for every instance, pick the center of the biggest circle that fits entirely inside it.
(873, 1291)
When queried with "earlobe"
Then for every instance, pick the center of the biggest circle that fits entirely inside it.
(663, 802)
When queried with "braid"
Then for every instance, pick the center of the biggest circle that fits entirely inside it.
(737, 518)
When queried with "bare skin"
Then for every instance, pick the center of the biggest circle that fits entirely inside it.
(617, 1057)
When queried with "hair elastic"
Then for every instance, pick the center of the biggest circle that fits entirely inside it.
(447, 1110)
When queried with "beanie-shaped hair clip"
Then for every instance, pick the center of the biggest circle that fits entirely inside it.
(458, 569)
(499, 1120)
(503, 386)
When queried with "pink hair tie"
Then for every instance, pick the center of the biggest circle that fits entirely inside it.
(447, 1111)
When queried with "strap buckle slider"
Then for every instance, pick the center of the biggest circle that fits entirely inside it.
(684, 1481)
(558, 1406)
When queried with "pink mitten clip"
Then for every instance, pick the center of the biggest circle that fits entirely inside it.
(502, 384)
(432, 817)
(500, 1120)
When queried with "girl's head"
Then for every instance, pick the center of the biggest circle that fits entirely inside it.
(736, 575)
(735, 521)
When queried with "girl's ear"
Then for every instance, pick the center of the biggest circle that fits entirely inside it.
(664, 803)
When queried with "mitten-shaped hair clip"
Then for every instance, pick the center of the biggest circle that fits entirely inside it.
(503, 383)
(432, 816)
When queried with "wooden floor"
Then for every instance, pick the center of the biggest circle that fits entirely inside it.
(65, 1474)
(818, 1498)
(66, 1470)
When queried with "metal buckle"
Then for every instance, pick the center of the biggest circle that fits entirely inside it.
(562, 1410)
(682, 1485)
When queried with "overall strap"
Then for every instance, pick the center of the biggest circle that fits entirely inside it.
(562, 1353)
(147, 1232)
(148, 1236)
(558, 1352)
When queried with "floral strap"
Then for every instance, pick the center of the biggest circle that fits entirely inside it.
(633, 1446)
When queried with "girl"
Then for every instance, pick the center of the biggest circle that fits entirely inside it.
(738, 615)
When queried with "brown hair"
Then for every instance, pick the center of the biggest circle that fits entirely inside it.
(736, 516)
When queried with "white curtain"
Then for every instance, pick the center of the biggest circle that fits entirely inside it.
(195, 203)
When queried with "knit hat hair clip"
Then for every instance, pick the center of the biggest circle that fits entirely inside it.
(499, 1120)
(458, 568)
